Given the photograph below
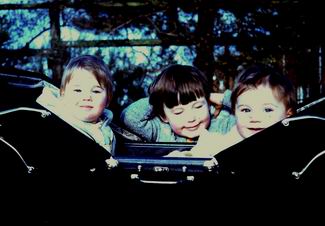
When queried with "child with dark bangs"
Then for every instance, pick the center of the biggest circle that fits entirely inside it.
(178, 108)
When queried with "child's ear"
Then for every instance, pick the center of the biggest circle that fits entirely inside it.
(163, 118)
(107, 103)
(289, 112)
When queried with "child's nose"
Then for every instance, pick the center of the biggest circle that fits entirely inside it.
(256, 117)
(191, 117)
(86, 96)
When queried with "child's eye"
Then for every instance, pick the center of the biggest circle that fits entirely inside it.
(177, 112)
(268, 110)
(246, 110)
(198, 106)
(97, 91)
(77, 90)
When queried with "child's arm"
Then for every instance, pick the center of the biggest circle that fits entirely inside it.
(207, 146)
(216, 98)
(224, 120)
(136, 118)
(210, 144)
(221, 99)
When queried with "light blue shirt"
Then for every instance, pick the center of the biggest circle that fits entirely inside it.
(136, 118)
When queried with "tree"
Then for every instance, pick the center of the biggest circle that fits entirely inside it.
(218, 35)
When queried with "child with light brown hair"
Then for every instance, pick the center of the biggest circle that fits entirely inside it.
(85, 93)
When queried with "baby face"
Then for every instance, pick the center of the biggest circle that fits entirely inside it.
(257, 109)
(190, 119)
(83, 97)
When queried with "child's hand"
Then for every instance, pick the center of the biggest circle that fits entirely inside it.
(206, 144)
(216, 98)
(205, 148)
(178, 154)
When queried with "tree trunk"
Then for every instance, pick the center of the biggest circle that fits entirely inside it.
(204, 39)
(56, 59)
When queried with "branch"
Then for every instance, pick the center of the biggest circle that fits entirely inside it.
(158, 30)
(22, 52)
(30, 41)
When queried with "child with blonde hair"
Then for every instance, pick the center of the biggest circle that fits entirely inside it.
(85, 93)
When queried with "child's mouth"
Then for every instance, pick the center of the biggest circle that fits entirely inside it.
(193, 128)
(255, 129)
(86, 107)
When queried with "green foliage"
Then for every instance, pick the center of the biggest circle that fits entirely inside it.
(165, 32)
